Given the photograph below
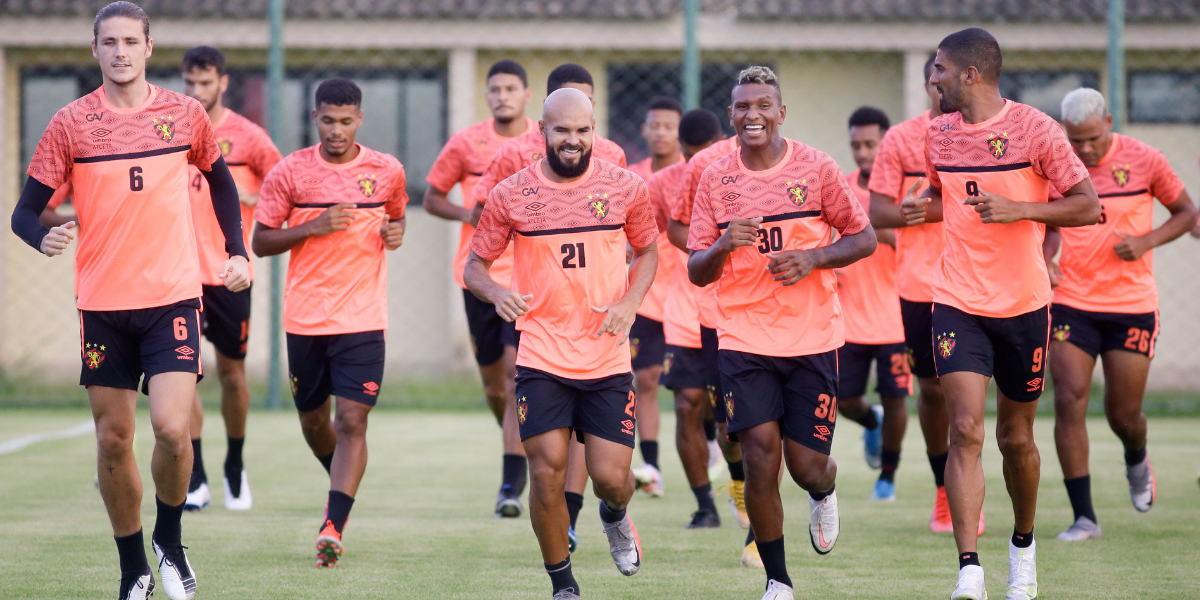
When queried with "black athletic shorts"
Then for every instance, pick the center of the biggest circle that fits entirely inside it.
(1096, 332)
(346, 365)
(120, 346)
(647, 343)
(712, 373)
(799, 392)
(489, 333)
(893, 377)
(683, 369)
(225, 320)
(1012, 350)
(918, 337)
(605, 407)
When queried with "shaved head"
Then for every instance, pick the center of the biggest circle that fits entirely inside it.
(568, 125)
(566, 103)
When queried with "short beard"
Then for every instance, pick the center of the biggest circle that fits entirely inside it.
(564, 170)
(949, 102)
(208, 106)
(504, 120)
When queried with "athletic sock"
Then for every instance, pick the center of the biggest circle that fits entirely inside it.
(774, 560)
(1135, 457)
(233, 465)
(574, 505)
(198, 474)
(339, 509)
(132, 550)
(561, 577)
(327, 462)
(1022, 540)
(822, 495)
(966, 559)
(609, 514)
(704, 497)
(168, 527)
(736, 471)
(650, 453)
(869, 420)
(749, 537)
(514, 473)
(937, 462)
(710, 431)
(891, 460)
(1079, 490)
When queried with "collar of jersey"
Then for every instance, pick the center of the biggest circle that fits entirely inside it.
(852, 179)
(787, 156)
(530, 125)
(1112, 149)
(129, 111)
(362, 152)
(537, 169)
(221, 119)
(1008, 104)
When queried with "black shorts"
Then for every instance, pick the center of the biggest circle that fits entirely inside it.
(647, 343)
(893, 378)
(225, 320)
(918, 336)
(120, 346)
(712, 373)
(1012, 350)
(799, 392)
(605, 407)
(346, 365)
(489, 333)
(1096, 332)
(683, 369)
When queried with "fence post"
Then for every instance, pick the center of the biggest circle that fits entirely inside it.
(691, 56)
(275, 128)
(1116, 62)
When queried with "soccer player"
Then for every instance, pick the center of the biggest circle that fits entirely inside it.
(874, 332)
(225, 320)
(125, 149)
(990, 163)
(1106, 301)
(646, 339)
(462, 161)
(761, 228)
(571, 216)
(343, 204)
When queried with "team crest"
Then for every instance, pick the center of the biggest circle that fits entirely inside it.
(666, 369)
(522, 410)
(729, 404)
(367, 185)
(1061, 333)
(634, 344)
(164, 128)
(598, 205)
(798, 192)
(295, 384)
(93, 356)
(998, 145)
(1121, 174)
(226, 145)
(945, 344)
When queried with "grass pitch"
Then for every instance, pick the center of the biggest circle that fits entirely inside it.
(422, 525)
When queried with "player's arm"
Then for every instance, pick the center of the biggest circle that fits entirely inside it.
(437, 204)
(1183, 219)
(51, 218)
(1050, 247)
(886, 236)
(27, 225)
(1078, 207)
(621, 314)
(677, 233)
(270, 241)
(705, 266)
(509, 304)
(226, 203)
(790, 266)
(924, 208)
(884, 212)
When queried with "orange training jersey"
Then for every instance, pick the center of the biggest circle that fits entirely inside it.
(528, 148)
(336, 283)
(898, 165)
(867, 290)
(463, 160)
(802, 200)
(643, 168)
(682, 211)
(62, 194)
(128, 169)
(681, 324)
(1128, 179)
(250, 155)
(569, 254)
(991, 269)
(652, 305)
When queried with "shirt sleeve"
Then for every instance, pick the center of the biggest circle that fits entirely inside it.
(931, 173)
(61, 195)
(887, 175)
(449, 167)
(640, 229)
(204, 151)
(275, 199)
(53, 158)
(1053, 158)
(659, 195)
(494, 228)
(686, 195)
(498, 170)
(398, 199)
(839, 207)
(265, 157)
(703, 231)
(1164, 183)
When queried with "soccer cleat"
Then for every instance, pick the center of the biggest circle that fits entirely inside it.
(873, 441)
(705, 519)
(329, 546)
(716, 461)
(243, 501)
(1143, 488)
(137, 589)
(572, 539)
(649, 480)
(567, 594)
(1082, 529)
(508, 504)
(970, 584)
(624, 545)
(196, 500)
(737, 502)
(750, 556)
(939, 521)
(823, 523)
(778, 591)
(178, 578)
(885, 491)
(1022, 572)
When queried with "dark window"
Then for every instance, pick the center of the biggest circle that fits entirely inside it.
(1044, 90)
(1164, 97)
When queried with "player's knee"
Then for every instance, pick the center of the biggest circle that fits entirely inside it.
(314, 420)
(1014, 439)
(233, 380)
(612, 484)
(689, 403)
(966, 432)
(114, 441)
(1124, 423)
(548, 470)
(350, 424)
(646, 380)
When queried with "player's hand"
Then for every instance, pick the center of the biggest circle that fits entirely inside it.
(628, 253)
(618, 320)
(335, 218)
(912, 209)
(1131, 247)
(58, 239)
(235, 274)
(741, 232)
(511, 305)
(392, 232)
(246, 197)
(994, 208)
(790, 266)
(1055, 273)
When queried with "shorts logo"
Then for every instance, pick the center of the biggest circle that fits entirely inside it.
(164, 128)
(185, 353)
(295, 383)
(598, 205)
(729, 404)
(634, 344)
(912, 358)
(226, 145)
(1034, 384)
(1120, 174)
(371, 388)
(798, 192)
(522, 410)
(1061, 333)
(627, 427)
(93, 355)
(822, 433)
(998, 145)
(667, 363)
(367, 185)
(945, 344)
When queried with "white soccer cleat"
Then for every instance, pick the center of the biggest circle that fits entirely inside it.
(566, 595)
(778, 591)
(138, 589)
(823, 523)
(649, 480)
(1022, 572)
(198, 500)
(970, 584)
(178, 578)
(624, 545)
(1082, 529)
(244, 500)
(1142, 486)
(716, 462)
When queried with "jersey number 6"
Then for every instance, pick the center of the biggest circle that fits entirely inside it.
(135, 179)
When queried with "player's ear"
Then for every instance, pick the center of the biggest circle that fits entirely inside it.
(782, 113)
(224, 83)
(149, 47)
(528, 95)
(542, 128)
(94, 54)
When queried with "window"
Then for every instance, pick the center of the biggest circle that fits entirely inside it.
(1044, 90)
(1164, 97)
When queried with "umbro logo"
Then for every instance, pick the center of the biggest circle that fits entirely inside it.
(185, 353)
(536, 206)
(313, 181)
(946, 142)
(371, 388)
(822, 433)
(731, 196)
(627, 427)
(102, 132)
(1034, 384)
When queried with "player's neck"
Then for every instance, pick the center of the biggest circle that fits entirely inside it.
(512, 128)
(343, 158)
(659, 162)
(984, 106)
(762, 159)
(216, 112)
(864, 178)
(555, 177)
(126, 95)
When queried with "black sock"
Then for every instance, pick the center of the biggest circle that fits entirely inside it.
(1022, 540)
(561, 577)
(1135, 457)
(968, 558)
(233, 465)
(937, 462)
(710, 431)
(327, 462)
(822, 495)
(198, 474)
(574, 505)
(774, 560)
(650, 453)
(514, 473)
(869, 420)
(610, 515)
(339, 509)
(167, 525)
(891, 460)
(749, 537)
(1079, 490)
(132, 550)
(704, 497)
(736, 471)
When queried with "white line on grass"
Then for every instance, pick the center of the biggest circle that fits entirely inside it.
(24, 441)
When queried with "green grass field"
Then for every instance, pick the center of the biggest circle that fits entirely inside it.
(422, 525)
